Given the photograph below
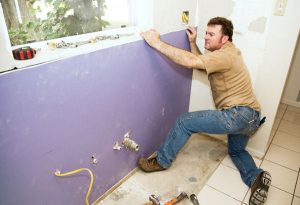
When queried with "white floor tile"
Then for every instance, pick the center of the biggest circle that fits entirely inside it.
(210, 196)
(287, 141)
(282, 178)
(275, 197)
(278, 197)
(284, 157)
(228, 162)
(228, 181)
(289, 128)
(292, 117)
(296, 201)
(294, 109)
(283, 106)
(297, 191)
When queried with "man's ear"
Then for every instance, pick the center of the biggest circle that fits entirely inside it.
(225, 39)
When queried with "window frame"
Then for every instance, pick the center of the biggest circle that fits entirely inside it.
(141, 18)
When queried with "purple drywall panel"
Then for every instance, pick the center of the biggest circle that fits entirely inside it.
(57, 115)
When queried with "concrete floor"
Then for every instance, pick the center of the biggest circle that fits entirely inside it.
(189, 173)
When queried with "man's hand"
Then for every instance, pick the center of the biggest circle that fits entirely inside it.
(152, 37)
(192, 34)
(177, 55)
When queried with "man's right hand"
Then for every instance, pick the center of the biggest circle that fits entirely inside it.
(192, 34)
(152, 37)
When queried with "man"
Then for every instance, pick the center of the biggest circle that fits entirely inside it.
(237, 114)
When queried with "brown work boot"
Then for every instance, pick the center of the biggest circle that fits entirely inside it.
(149, 165)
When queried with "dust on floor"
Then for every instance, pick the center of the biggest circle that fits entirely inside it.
(189, 173)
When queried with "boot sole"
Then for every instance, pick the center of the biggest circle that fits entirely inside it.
(259, 196)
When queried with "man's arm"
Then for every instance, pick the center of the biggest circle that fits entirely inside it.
(192, 35)
(179, 56)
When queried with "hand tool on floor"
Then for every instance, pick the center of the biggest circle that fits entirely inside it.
(177, 199)
(154, 200)
(194, 199)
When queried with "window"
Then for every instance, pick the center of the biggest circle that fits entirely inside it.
(39, 20)
(135, 15)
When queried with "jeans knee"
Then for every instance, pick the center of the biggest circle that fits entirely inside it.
(182, 118)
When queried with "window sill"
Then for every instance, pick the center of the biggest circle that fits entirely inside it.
(45, 54)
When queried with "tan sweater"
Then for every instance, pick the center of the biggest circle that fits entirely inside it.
(229, 78)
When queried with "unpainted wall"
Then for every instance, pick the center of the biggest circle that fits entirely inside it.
(291, 93)
(167, 14)
(259, 34)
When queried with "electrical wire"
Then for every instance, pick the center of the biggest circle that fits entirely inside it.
(57, 173)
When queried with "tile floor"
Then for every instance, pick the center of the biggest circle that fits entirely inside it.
(282, 161)
(224, 185)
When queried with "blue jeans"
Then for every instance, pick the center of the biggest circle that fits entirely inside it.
(238, 123)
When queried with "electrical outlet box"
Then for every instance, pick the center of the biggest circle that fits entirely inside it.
(185, 16)
(280, 7)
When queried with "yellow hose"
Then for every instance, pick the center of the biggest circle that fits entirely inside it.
(57, 173)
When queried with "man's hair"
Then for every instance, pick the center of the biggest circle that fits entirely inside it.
(227, 27)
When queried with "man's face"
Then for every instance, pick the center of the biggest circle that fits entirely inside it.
(214, 39)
